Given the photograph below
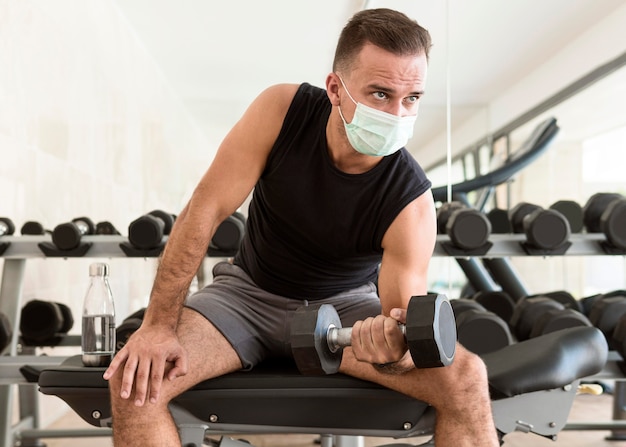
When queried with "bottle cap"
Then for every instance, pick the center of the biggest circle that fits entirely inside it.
(99, 269)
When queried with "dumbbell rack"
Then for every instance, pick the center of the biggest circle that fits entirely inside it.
(16, 250)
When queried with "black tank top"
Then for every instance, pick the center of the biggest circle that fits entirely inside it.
(314, 231)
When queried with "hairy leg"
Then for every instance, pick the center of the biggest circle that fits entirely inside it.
(151, 425)
(458, 392)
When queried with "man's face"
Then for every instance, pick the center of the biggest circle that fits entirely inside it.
(385, 81)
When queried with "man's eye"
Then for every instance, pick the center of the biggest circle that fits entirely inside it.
(380, 95)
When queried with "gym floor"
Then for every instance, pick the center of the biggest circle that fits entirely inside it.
(586, 408)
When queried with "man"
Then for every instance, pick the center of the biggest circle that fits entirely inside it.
(335, 196)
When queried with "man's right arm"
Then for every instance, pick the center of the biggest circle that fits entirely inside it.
(237, 166)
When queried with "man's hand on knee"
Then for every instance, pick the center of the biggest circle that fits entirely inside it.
(150, 354)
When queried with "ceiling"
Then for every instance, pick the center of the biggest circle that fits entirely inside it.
(217, 56)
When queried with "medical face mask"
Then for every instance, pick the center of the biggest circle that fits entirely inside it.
(377, 133)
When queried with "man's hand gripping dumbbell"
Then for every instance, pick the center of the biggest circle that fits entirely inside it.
(317, 338)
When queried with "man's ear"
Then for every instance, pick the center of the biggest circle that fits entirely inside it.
(332, 89)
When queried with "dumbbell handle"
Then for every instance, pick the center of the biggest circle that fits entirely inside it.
(338, 337)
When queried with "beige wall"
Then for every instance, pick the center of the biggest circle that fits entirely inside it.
(88, 127)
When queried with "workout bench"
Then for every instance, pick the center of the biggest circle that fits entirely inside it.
(532, 384)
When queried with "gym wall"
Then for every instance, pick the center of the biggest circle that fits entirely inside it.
(88, 127)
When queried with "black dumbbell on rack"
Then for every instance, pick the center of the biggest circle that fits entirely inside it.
(67, 238)
(146, 233)
(572, 211)
(33, 228)
(228, 236)
(540, 315)
(317, 338)
(45, 323)
(128, 327)
(7, 228)
(496, 301)
(547, 231)
(478, 329)
(606, 213)
(6, 332)
(468, 229)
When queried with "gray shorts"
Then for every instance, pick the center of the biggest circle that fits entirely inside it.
(256, 322)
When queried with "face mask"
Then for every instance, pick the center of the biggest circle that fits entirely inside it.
(377, 133)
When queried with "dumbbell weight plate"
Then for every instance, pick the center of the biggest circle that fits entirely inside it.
(496, 301)
(445, 212)
(546, 229)
(595, 206)
(229, 234)
(517, 214)
(606, 313)
(613, 223)
(431, 331)
(557, 319)
(528, 311)
(572, 211)
(309, 344)
(6, 333)
(468, 228)
(7, 227)
(168, 220)
(482, 332)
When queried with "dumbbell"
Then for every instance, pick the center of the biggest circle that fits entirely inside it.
(479, 330)
(7, 228)
(496, 301)
(128, 327)
(606, 312)
(544, 229)
(33, 228)
(565, 298)
(148, 230)
(572, 211)
(317, 338)
(6, 333)
(67, 236)
(606, 213)
(106, 228)
(499, 219)
(44, 323)
(467, 228)
(541, 315)
(229, 234)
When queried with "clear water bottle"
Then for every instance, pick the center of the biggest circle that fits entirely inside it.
(98, 331)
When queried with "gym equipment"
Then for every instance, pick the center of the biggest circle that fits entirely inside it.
(564, 297)
(7, 227)
(545, 229)
(45, 323)
(532, 390)
(67, 236)
(572, 211)
(478, 329)
(33, 228)
(496, 301)
(468, 229)
(106, 228)
(130, 324)
(606, 213)
(228, 236)
(6, 333)
(500, 223)
(606, 312)
(147, 231)
(317, 338)
(540, 315)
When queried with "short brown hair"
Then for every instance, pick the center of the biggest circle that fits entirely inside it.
(390, 30)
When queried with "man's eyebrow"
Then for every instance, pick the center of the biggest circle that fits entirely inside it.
(382, 88)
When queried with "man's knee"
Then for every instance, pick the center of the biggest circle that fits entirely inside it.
(466, 379)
